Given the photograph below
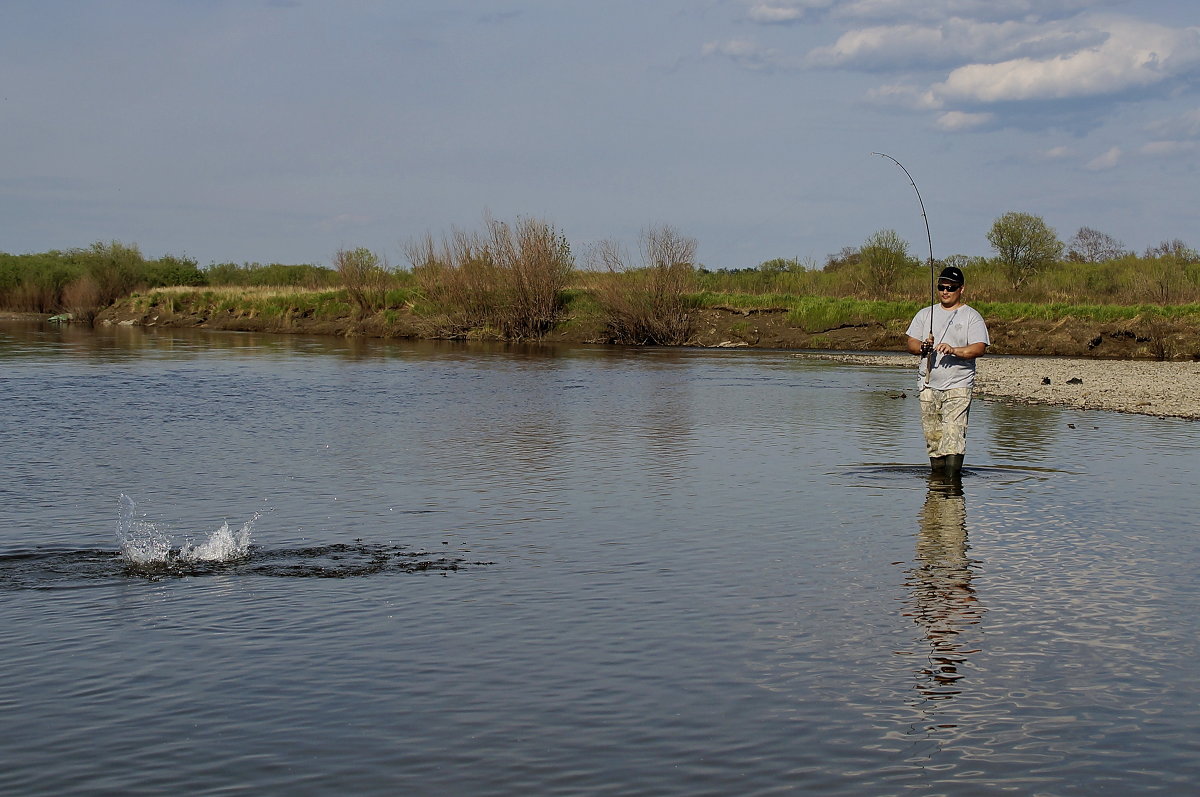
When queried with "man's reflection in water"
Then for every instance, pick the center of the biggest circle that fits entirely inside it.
(941, 599)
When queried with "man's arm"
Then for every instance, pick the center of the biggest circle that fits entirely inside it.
(970, 352)
(914, 346)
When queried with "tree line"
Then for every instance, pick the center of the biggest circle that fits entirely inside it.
(1030, 264)
(516, 278)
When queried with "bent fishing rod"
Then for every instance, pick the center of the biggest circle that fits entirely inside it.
(932, 277)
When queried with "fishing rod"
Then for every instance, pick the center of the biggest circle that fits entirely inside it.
(932, 278)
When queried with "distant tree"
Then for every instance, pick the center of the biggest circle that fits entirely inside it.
(1163, 275)
(848, 256)
(172, 270)
(1175, 250)
(1025, 245)
(117, 269)
(1092, 246)
(885, 257)
(780, 265)
(364, 276)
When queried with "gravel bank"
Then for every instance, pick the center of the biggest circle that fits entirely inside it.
(1164, 389)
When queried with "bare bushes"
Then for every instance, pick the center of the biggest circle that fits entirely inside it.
(1163, 338)
(506, 282)
(455, 278)
(109, 271)
(32, 297)
(365, 278)
(650, 305)
(1162, 277)
(82, 298)
(534, 264)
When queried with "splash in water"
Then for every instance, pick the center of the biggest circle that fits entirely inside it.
(222, 545)
(144, 543)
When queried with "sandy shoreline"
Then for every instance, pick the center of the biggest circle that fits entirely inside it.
(1163, 389)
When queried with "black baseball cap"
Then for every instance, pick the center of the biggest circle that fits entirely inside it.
(952, 274)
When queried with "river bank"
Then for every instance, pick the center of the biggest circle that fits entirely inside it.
(1138, 336)
(1163, 389)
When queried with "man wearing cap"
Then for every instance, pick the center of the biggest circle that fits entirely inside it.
(947, 371)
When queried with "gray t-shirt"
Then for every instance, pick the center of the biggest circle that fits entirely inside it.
(959, 327)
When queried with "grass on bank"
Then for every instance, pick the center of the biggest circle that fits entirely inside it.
(810, 313)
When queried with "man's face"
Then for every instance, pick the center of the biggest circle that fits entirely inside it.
(948, 293)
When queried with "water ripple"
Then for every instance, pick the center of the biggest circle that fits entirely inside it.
(66, 569)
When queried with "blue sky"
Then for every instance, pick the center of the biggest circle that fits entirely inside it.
(284, 130)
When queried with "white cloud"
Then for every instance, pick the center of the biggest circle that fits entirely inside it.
(1185, 125)
(955, 121)
(904, 95)
(878, 47)
(1106, 161)
(1135, 55)
(981, 63)
(1058, 153)
(1163, 149)
(774, 12)
(744, 52)
(1030, 10)
(734, 48)
(952, 42)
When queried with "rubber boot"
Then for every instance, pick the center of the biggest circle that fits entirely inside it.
(953, 465)
(937, 464)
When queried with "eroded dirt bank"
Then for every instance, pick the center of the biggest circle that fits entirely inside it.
(1135, 339)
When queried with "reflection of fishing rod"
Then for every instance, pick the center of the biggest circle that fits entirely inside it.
(932, 279)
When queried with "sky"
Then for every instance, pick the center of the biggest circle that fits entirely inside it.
(280, 131)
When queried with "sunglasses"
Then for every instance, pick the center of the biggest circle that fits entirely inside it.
(949, 288)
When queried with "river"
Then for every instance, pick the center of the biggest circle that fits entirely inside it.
(237, 562)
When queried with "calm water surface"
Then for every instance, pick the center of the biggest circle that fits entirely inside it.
(503, 570)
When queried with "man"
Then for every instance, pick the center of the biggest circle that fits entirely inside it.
(959, 337)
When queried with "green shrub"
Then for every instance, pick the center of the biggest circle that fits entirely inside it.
(170, 271)
(34, 283)
(272, 275)
(364, 276)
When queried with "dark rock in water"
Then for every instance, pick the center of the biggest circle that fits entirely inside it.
(1045, 380)
(1074, 381)
(1070, 426)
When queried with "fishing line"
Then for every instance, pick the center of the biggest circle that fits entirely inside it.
(929, 238)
